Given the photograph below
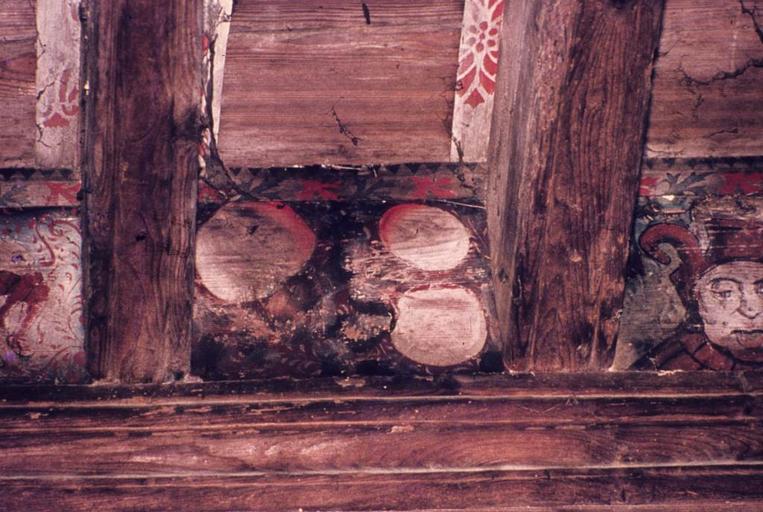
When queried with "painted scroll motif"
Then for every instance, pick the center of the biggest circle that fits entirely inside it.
(41, 333)
(58, 83)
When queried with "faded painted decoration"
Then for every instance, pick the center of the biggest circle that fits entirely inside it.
(41, 332)
(321, 286)
(697, 302)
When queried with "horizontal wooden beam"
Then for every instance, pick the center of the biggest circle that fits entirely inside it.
(473, 443)
(680, 489)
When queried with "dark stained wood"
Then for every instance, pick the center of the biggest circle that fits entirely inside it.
(707, 94)
(574, 86)
(18, 35)
(312, 82)
(485, 445)
(680, 489)
(143, 132)
(570, 386)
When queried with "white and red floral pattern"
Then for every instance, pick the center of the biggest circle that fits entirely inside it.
(478, 56)
(475, 81)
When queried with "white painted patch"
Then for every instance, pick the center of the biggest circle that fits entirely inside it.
(426, 237)
(439, 327)
(248, 250)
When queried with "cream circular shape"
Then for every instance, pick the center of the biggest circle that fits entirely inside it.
(439, 326)
(247, 250)
(426, 237)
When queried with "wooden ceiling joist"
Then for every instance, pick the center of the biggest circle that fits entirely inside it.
(573, 94)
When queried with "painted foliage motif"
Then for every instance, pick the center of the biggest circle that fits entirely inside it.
(697, 303)
(41, 333)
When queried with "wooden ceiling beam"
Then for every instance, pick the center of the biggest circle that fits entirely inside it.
(571, 105)
(140, 170)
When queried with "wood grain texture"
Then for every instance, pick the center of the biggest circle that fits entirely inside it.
(482, 444)
(722, 489)
(315, 83)
(708, 101)
(141, 174)
(18, 37)
(573, 91)
(570, 386)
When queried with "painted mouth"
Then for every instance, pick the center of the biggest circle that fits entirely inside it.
(752, 338)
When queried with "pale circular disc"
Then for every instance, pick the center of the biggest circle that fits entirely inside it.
(439, 327)
(427, 237)
(247, 250)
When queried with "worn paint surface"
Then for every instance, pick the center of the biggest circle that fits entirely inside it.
(695, 298)
(340, 287)
(41, 334)
(475, 82)
(58, 83)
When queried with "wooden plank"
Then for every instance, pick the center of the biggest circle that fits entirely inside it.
(224, 413)
(350, 434)
(18, 35)
(444, 182)
(141, 173)
(403, 446)
(320, 83)
(570, 386)
(701, 178)
(574, 86)
(723, 488)
(707, 95)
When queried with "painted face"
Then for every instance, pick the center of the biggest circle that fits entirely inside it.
(730, 299)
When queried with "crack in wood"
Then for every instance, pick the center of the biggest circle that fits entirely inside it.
(752, 13)
(343, 128)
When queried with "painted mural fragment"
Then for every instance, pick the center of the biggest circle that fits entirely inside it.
(41, 334)
(329, 287)
(58, 83)
(697, 301)
(475, 83)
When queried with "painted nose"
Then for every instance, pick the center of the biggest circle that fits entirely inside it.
(749, 308)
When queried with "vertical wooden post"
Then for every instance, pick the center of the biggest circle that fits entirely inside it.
(567, 138)
(143, 68)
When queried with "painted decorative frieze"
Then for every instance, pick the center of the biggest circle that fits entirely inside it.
(58, 83)
(475, 85)
(41, 332)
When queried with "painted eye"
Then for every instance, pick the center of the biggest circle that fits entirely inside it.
(722, 294)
